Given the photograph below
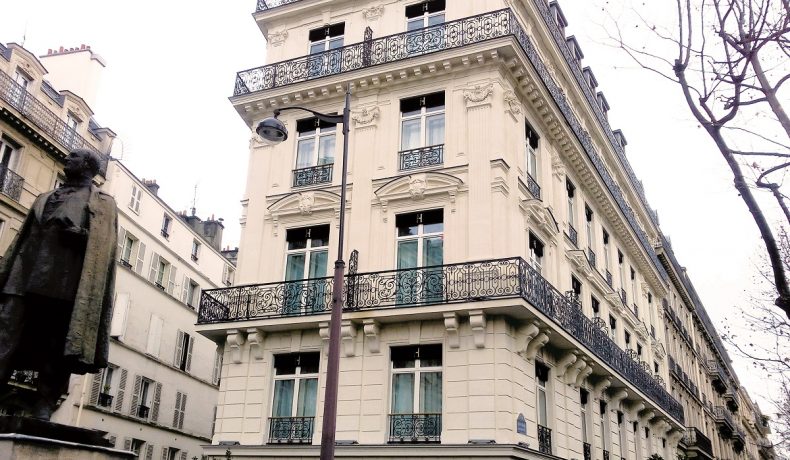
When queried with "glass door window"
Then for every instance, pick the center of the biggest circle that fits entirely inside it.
(532, 152)
(325, 53)
(420, 243)
(19, 91)
(423, 20)
(422, 121)
(315, 144)
(535, 253)
(416, 391)
(307, 254)
(295, 395)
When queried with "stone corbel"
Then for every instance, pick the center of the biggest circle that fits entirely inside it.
(600, 388)
(255, 339)
(477, 320)
(616, 397)
(635, 409)
(323, 331)
(573, 371)
(348, 335)
(235, 341)
(646, 416)
(583, 376)
(566, 360)
(371, 329)
(537, 343)
(526, 335)
(451, 324)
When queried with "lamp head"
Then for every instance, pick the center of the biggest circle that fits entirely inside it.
(272, 129)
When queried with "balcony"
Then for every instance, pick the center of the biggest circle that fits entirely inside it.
(609, 278)
(724, 421)
(105, 400)
(24, 377)
(291, 430)
(738, 440)
(765, 448)
(313, 175)
(265, 5)
(10, 183)
(422, 157)
(591, 257)
(477, 281)
(573, 235)
(408, 428)
(533, 187)
(731, 399)
(47, 121)
(623, 297)
(142, 411)
(696, 440)
(544, 439)
(718, 378)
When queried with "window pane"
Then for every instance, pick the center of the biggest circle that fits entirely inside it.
(305, 404)
(432, 251)
(403, 393)
(435, 129)
(294, 269)
(410, 134)
(304, 153)
(533, 163)
(407, 254)
(414, 24)
(283, 398)
(542, 415)
(335, 43)
(431, 393)
(308, 363)
(437, 19)
(317, 47)
(318, 261)
(326, 150)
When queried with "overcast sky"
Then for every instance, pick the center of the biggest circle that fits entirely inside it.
(171, 67)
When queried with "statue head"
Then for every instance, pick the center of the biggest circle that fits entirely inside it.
(82, 163)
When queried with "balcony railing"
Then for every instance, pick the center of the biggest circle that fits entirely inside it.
(573, 235)
(724, 420)
(731, 399)
(533, 187)
(264, 5)
(24, 377)
(694, 438)
(421, 157)
(46, 120)
(587, 451)
(441, 284)
(291, 430)
(11, 183)
(313, 175)
(105, 400)
(718, 376)
(591, 257)
(738, 439)
(608, 277)
(544, 439)
(415, 428)
(450, 35)
(142, 411)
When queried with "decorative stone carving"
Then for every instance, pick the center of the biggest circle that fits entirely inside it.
(306, 202)
(234, 342)
(477, 320)
(536, 344)
(417, 186)
(451, 324)
(348, 335)
(512, 104)
(583, 376)
(371, 329)
(256, 141)
(573, 371)
(323, 331)
(255, 339)
(365, 116)
(646, 416)
(601, 387)
(616, 397)
(566, 361)
(525, 336)
(480, 94)
(277, 38)
(373, 13)
(557, 166)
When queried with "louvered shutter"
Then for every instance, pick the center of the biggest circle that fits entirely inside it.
(165, 451)
(157, 399)
(119, 314)
(217, 367)
(112, 440)
(136, 395)
(183, 411)
(154, 267)
(127, 443)
(121, 391)
(121, 241)
(184, 455)
(140, 257)
(177, 410)
(179, 349)
(96, 387)
(185, 290)
(149, 452)
(189, 354)
(225, 274)
(171, 282)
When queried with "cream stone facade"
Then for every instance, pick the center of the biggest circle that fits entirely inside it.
(506, 300)
(158, 396)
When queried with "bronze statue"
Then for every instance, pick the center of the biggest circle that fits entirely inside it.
(56, 285)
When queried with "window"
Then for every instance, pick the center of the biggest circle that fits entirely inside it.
(180, 409)
(325, 55)
(639, 349)
(416, 405)
(167, 223)
(137, 196)
(627, 339)
(571, 190)
(422, 121)
(621, 268)
(72, 123)
(596, 307)
(170, 453)
(584, 396)
(142, 397)
(190, 294)
(9, 154)
(307, 254)
(542, 379)
(183, 354)
(588, 214)
(532, 151)
(420, 243)
(606, 249)
(126, 250)
(315, 146)
(656, 368)
(195, 250)
(162, 273)
(19, 92)
(613, 325)
(216, 374)
(576, 287)
(119, 314)
(228, 275)
(131, 250)
(604, 425)
(535, 252)
(418, 17)
(295, 392)
(622, 434)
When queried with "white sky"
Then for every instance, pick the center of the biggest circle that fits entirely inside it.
(171, 66)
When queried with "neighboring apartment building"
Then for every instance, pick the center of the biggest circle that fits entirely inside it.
(508, 300)
(158, 396)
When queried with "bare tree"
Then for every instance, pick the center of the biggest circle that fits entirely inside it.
(730, 62)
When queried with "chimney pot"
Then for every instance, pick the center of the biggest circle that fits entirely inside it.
(61, 49)
(82, 46)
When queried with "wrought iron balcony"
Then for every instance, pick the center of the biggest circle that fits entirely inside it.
(572, 235)
(265, 5)
(291, 430)
(142, 411)
(105, 400)
(415, 428)
(696, 440)
(544, 439)
(718, 378)
(450, 35)
(587, 451)
(11, 183)
(313, 175)
(591, 257)
(533, 187)
(731, 399)
(476, 281)
(605, 454)
(47, 121)
(724, 421)
(24, 377)
(608, 277)
(421, 157)
(738, 440)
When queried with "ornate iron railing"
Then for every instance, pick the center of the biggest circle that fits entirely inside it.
(731, 399)
(313, 175)
(142, 411)
(264, 5)
(544, 439)
(533, 187)
(5, 52)
(609, 278)
(11, 183)
(723, 418)
(24, 377)
(105, 400)
(573, 235)
(452, 283)
(421, 157)
(587, 451)
(605, 454)
(696, 438)
(291, 430)
(46, 120)
(415, 428)
(738, 439)
(591, 257)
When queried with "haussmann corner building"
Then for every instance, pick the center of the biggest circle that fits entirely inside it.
(513, 295)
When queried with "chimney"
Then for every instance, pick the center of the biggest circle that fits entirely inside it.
(152, 186)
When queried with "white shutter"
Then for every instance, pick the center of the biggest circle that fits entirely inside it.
(96, 387)
(189, 355)
(132, 198)
(119, 314)
(225, 274)
(179, 349)
(140, 257)
(165, 452)
(149, 452)
(154, 335)
(154, 267)
(121, 241)
(138, 381)
(182, 411)
(177, 409)
(185, 290)
(171, 282)
(215, 375)
(121, 390)
(156, 401)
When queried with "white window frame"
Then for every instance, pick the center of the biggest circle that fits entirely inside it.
(590, 229)
(136, 198)
(571, 203)
(605, 237)
(167, 226)
(308, 251)
(585, 422)
(535, 260)
(196, 247)
(228, 275)
(316, 136)
(296, 377)
(421, 236)
(542, 388)
(425, 19)
(417, 370)
(13, 149)
(425, 113)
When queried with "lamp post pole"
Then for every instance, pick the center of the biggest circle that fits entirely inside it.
(274, 130)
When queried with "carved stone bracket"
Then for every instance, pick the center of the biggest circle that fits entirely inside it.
(634, 410)
(566, 361)
(348, 335)
(236, 339)
(255, 339)
(600, 388)
(616, 397)
(573, 371)
(525, 335)
(477, 321)
(371, 329)
(451, 324)
(537, 343)
(277, 38)
(646, 416)
(583, 376)
(512, 105)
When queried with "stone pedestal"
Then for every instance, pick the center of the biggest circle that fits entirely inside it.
(27, 439)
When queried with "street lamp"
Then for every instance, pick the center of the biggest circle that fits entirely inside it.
(274, 130)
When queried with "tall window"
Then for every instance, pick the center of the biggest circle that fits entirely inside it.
(422, 121)
(576, 288)
(613, 325)
(167, 224)
(137, 196)
(420, 240)
(623, 432)
(588, 214)
(542, 407)
(420, 16)
(196, 246)
(19, 92)
(634, 295)
(315, 144)
(596, 307)
(295, 388)
(322, 41)
(532, 151)
(228, 275)
(584, 397)
(128, 244)
(571, 190)
(183, 352)
(72, 123)
(606, 255)
(416, 391)
(9, 155)
(604, 426)
(535, 252)
(307, 254)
